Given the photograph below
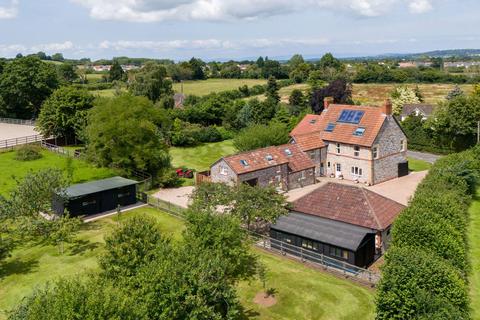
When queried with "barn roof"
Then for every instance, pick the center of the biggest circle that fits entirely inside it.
(82, 189)
(332, 232)
(350, 204)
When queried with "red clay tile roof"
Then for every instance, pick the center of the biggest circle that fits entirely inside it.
(309, 141)
(350, 204)
(372, 121)
(257, 159)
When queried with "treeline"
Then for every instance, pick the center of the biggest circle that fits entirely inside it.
(426, 269)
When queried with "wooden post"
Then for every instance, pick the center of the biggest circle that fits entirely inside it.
(478, 132)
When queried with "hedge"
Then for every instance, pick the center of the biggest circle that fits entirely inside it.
(426, 267)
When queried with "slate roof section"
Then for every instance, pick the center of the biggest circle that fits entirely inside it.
(82, 189)
(425, 109)
(336, 233)
(372, 120)
(258, 159)
(350, 204)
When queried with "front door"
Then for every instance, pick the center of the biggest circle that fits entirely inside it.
(322, 169)
(338, 170)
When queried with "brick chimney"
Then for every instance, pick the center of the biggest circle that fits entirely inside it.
(327, 101)
(387, 107)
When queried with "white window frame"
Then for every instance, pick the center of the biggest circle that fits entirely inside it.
(375, 152)
(402, 142)
(357, 172)
(223, 170)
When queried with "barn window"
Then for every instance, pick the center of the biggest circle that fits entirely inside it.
(223, 170)
(87, 203)
(121, 195)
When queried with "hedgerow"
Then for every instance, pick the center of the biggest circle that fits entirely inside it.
(426, 268)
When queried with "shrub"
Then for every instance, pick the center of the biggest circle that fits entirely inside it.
(28, 152)
(260, 136)
(209, 134)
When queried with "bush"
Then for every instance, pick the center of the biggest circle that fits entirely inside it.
(28, 152)
(260, 136)
(209, 134)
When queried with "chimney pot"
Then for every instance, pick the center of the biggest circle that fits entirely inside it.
(387, 107)
(327, 101)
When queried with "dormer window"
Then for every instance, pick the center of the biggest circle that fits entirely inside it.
(269, 157)
(330, 127)
(359, 131)
(244, 163)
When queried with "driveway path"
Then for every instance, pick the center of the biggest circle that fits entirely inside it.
(178, 196)
(428, 157)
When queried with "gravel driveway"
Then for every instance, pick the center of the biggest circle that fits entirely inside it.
(178, 196)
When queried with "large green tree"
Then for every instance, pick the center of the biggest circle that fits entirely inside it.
(260, 136)
(67, 72)
(64, 113)
(151, 81)
(24, 84)
(126, 131)
(116, 72)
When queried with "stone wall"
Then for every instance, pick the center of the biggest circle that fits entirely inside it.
(390, 154)
(318, 157)
(347, 159)
(226, 176)
(276, 176)
(301, 179)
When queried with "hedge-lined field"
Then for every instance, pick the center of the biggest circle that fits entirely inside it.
(426, 269)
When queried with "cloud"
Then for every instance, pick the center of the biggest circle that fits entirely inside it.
(9, 10)
(227, 10)
(12, 49)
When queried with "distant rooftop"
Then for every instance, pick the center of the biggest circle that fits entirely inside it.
(78, 190)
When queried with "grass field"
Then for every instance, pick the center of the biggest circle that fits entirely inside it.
(301, 292)
(474, 241)
(11, 169)
(204, 87)
(376, 93)
(201, 157)
(418, 165)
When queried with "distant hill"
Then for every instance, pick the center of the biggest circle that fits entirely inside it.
(457, 53)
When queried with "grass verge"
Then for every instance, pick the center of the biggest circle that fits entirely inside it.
(474, 241)
(418, 165)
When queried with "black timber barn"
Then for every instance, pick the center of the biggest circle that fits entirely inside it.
(96, 196)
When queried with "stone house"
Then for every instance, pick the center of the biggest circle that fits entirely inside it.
(418, 109)
(360, 143)
(284, 167)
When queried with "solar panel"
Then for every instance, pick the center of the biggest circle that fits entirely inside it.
(351, 116)
(330, 127)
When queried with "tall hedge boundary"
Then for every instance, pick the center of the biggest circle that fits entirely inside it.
(426, 269)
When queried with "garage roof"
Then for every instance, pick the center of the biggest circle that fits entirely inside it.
(327, 231)
(78, 190)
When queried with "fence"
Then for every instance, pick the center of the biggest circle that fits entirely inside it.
(18, 121)
(283, 248)
(201, 177)
(10, 143)
(60, 150)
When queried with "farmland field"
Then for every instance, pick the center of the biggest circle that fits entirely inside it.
(376, 93)
(12, 169)
(204, 87)
(301, 292)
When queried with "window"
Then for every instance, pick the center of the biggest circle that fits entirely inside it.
(244, 163)
(312, 155)
(375, 152)
(121, 195)
(302, 176)
(269, 157)
(402, 145)
(359, 132)
(288, 152)
(307, 244)
(330, 127)
(345, 254)
(339, 167)
(351, 116)
(328, 164)
(87, 203)
(223, 170)
(357, 171)
(338, 147)
(356, 151)
(339, 253)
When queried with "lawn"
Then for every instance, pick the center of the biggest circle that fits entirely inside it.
(33, 266)
(201, 157)
(204, 87)
(418, 165)
(474, 241)
(11, 169)
(301, 292)
(375, 93)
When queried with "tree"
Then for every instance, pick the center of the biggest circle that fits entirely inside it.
(329, 61)
(340, 90)
(402, 96)
(64, 113)
(116, 72)
(197, 66)
(300, 73)
(295, 61)
(63, 229)
(296, 98)
(262, 111)
(67, 72)
(151, 81)
(260, 136)
(455, 92)
(272, 90)
(180, 72)
(260, 62)
(133, 244)
(58, 57)
(126, 131)
(24, 84)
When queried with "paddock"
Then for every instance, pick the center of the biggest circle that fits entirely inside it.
(15, 134)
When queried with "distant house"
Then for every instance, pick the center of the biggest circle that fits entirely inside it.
(284, 167)
(359, 143)
(179, 99)
(461, 64)
(344, 222)
(101, 68)
(420, 109)
(96, 196)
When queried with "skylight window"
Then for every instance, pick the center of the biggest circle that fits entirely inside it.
(351, 116)
(269, 157)
(313, 121)
(288, 152)
(244, 163)
(330, 127)
(359, 132)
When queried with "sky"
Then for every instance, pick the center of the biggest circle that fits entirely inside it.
(235, 29)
